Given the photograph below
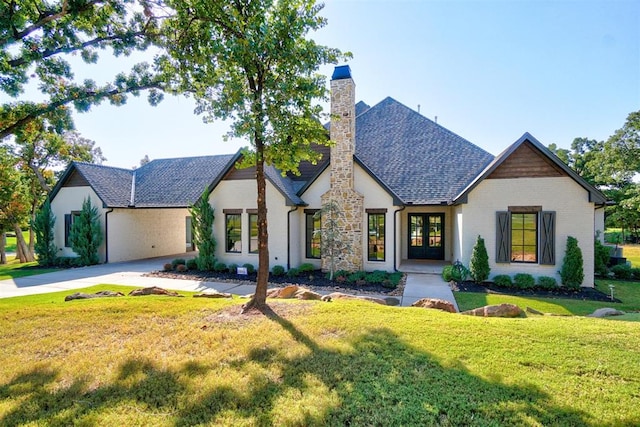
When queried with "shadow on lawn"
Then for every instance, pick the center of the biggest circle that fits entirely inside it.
(365, 385)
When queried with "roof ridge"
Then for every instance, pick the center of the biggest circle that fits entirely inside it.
(75, 162)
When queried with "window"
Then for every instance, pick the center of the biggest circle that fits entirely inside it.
(525, 234)
(68, 221)
(376, 236)
(313, 235)
(524, 237)
(253, 233)
(233, 226)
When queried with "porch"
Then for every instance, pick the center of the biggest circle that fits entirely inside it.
(424, 266)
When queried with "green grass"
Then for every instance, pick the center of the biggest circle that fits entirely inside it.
(13, 270)
(11, 242)
(632, 254)
(184, 361)
(627, 292)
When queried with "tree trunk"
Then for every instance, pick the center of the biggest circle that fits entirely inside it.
(22, 249)
(259, 299)
(3, 247)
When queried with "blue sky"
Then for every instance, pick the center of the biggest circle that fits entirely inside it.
(489, 71)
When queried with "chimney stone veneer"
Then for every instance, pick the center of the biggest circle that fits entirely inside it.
(342, 192)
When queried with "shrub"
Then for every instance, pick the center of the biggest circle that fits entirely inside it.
(459, 273)
(176, 262)
(503, 280)
(293, 272)
(340, 274)
(524, 281)
(356, 276)
(192, 264)
(572, 272)
(86, 236)
(622, 271)
(43, 226)
(376, 277)
(168, 267)
(220, 267)
(250, 268)
(67, 262)
(277, 270)
(181, 268)
(546, 282)
(232, 268)
(205, 262)
(601, 258)
(635, 273)
(447, 273)
(393, 280)
(479, 264)
(306, 268)
(202, 228)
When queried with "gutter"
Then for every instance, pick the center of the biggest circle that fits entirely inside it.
(395, 237)
(289, 236)
(106, 235)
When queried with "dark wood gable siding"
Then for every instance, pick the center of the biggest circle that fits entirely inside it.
(526, 162)
(76, 180)
(236, 174)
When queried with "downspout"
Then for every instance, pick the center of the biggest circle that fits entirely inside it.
(395, 237)
(106, 235)
(289, 236)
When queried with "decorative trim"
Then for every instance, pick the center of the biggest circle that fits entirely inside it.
(232, 211)
(525, 209)
(251, 211)
(376, 211)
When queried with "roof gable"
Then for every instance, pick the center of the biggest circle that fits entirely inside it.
(510, 164)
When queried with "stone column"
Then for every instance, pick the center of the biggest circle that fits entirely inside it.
(342, 193)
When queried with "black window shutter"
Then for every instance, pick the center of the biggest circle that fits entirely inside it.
(547, 238)
(503, 237)
(67, 229)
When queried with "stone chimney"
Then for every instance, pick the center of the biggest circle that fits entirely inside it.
(349, 202)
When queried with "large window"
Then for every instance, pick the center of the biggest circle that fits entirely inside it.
(313, 237)
(253, 233)
(68, 221)
(233, 226)
(525, 234)
(376, 236)
(524, 237)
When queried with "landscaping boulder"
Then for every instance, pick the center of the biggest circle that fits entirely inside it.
(606, 312)
(306, 294)
(340, 295)
(153, 290)
(101, 294)
(213, 294)
(284, 293)
(501, 310)
(436, 303)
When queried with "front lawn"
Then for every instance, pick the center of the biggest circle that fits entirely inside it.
(166, 361)
(13, 270)
(627, 292)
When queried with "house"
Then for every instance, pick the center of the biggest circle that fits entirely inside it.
(407, 188)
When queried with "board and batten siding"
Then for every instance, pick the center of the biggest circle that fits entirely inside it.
(574, 216)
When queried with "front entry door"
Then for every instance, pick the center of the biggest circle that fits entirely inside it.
(426, 236)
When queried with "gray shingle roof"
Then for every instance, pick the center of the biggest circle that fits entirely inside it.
(112, 185)
(177, 182)
(420, 161)
(286, 185)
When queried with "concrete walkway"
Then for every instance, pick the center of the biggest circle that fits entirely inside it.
(131, 274)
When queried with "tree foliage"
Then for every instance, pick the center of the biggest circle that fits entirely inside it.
(14, 204)
(36, 39)
(572, 271)
(251, 61)
(203, 216)
(86, 236)
(43, 226)
(479, 265)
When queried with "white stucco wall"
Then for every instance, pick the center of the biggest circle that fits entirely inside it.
(242, 194)
(70, 199)
(146, 233)
(574, 217)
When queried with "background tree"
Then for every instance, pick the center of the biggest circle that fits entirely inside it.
(202, 217)
(43, 226)
(14, 205)
(36, 37)
(85, 236)
(250, 61)
(479, 264)
(333, 243)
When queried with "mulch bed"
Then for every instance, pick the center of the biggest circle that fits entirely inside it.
(587, 294)
(315, 281)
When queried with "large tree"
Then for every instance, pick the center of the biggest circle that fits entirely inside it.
(36, 39)
(251, 61)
